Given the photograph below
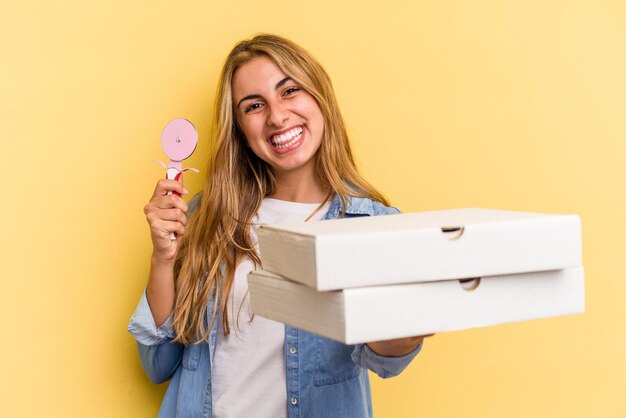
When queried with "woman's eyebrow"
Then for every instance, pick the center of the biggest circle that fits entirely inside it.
(249, 97)
(257, 96)
(282, 82)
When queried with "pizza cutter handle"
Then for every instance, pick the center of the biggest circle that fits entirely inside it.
(173, 174)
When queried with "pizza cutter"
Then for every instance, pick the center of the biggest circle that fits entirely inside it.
(178, 140)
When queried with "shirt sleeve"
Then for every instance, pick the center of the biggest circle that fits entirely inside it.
(143, 327)
(383, 366)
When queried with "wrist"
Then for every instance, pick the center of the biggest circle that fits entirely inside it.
(162, 261)
(395, 348)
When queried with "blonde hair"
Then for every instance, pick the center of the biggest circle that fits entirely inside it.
(218, 232)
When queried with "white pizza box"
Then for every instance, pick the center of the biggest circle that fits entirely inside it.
(377, 313)
(417, 247)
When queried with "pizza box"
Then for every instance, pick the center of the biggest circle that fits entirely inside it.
(375, 313)
(419, 247)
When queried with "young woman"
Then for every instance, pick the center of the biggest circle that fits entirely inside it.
(281, 155)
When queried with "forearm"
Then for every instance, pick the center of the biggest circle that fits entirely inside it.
(160, 289)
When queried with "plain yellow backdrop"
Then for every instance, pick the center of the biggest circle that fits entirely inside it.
(499, 104)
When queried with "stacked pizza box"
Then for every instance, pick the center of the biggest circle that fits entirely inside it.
(376, 278)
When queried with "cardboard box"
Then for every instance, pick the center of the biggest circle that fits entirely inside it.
(384, 312)
(418, 247)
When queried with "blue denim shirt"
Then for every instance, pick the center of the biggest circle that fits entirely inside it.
(325, 378)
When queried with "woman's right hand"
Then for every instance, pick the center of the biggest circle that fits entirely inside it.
(166, 213)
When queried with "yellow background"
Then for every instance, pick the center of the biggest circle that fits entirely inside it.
(510, 105)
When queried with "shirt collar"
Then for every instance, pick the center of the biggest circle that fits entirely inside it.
(354, 206)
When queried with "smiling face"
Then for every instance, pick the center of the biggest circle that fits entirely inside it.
(282, 122)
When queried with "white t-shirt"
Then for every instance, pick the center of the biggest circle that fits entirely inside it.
(248, 367)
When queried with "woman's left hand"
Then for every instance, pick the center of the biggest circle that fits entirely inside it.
(398, 347)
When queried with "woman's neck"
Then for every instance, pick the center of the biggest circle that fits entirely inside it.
(299, 187)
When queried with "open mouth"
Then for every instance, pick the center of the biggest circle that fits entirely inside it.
(287, 139)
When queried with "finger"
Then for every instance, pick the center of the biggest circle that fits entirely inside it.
(174, 214)
(171, 201)
(164, 228)
(166, 185)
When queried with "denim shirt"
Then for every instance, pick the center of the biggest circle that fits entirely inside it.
(324, 378)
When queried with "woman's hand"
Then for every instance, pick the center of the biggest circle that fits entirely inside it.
(166, 213)
(398, 347)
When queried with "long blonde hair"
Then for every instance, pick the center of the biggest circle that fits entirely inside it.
(218, 232)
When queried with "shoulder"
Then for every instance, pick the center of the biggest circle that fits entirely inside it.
(380, 209)
(360, 206)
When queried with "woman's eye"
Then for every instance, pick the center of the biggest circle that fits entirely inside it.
(252, 107)
(291, 90)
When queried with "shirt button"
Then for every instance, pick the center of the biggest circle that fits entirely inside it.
(293, 350)
(294, 400)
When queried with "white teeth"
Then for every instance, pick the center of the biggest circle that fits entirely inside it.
(288, 144)
(279, 140)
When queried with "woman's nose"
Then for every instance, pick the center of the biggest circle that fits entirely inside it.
(278, 115)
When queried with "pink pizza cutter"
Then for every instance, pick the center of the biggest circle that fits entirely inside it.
(178, 140)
